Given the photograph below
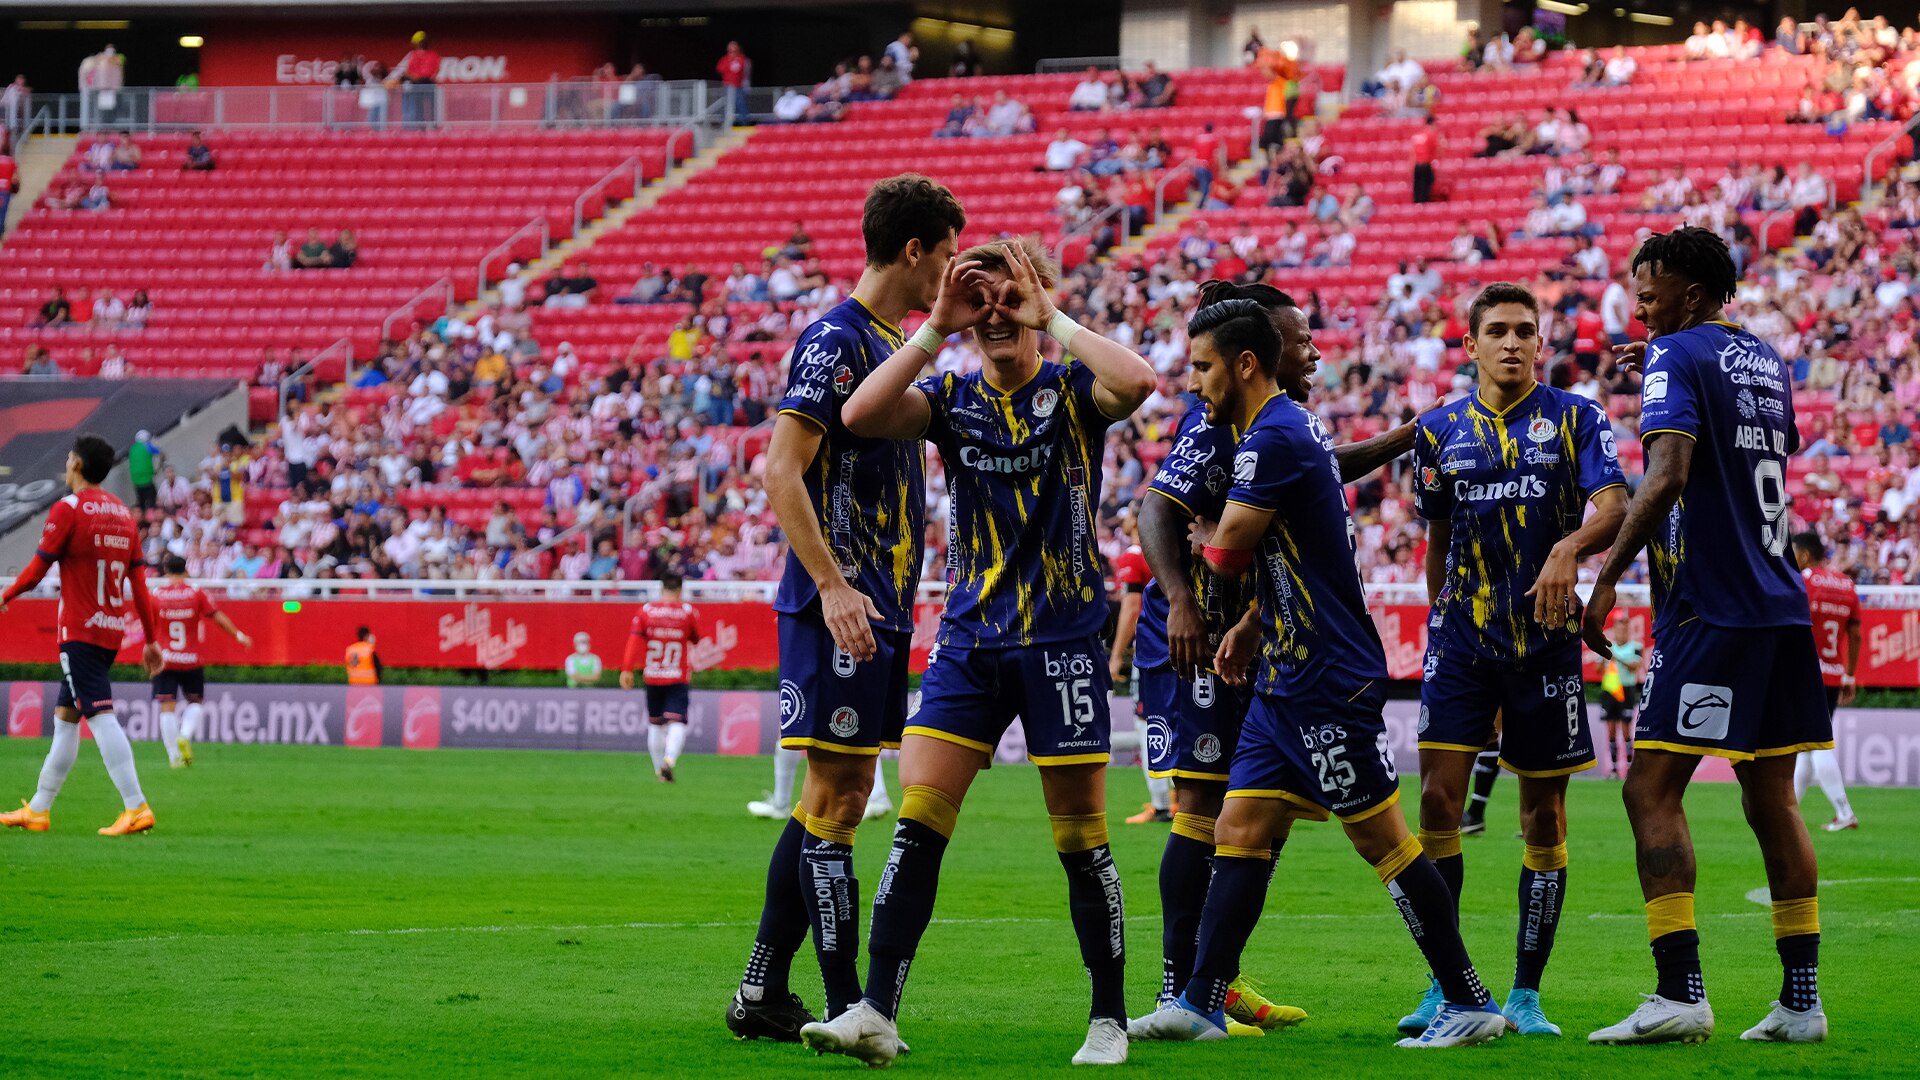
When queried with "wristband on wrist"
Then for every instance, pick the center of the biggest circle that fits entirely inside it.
(927, 339)
(1061, 328)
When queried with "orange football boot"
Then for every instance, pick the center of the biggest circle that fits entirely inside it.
(138, 819)
(27, 818)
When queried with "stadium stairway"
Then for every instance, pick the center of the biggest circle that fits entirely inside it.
(39, 162)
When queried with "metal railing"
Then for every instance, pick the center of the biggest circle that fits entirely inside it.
(580, 203)
(344, 346)
(1160, 187)
(1058, 64)
(1881, 147)
(555, 541)
(1087, 228)
(506, 248)
(573, 103)
(442, 288)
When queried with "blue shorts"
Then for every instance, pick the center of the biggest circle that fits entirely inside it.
(86, 678)
(1322, 751)
(1058, 690)
(667, 703)
(1734, 693)
(829, 700)
(187, 684)
(1190, 728)
(1542, 703)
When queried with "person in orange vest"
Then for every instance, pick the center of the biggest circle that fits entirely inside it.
(363, 664)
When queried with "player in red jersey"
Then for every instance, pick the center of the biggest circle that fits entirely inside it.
(1836, 616)
(92, 538)
(1130, 575)
(666, 629)
(178, 610)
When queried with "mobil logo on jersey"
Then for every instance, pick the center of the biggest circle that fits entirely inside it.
(366, 716)
(26, 709)
(420, 718)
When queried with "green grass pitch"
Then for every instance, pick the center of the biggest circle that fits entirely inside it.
(320, 912)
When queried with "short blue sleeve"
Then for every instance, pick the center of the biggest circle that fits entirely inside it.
(1183, 473)
(822, 374)
(1669, 401)
(1265, 464)
(1432, 499)
(1595, 454)
(939, 390)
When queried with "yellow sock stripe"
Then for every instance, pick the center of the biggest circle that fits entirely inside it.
(830, 830)
(930, 807)
(1440, 843)
(1228, 851)
(1194, 827)
(1669, 914)
(1398, 859)
(1791, 918)
(1545, 858)
(1078, 832)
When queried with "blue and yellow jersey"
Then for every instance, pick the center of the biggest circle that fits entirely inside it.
(869, 493)
(1512, 483)
(1023, 470)
(1309, 587)
(1722, 554)
(1196, 474)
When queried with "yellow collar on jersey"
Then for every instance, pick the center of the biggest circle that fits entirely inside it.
(884, 324)
(1499, 414)
(986, 378)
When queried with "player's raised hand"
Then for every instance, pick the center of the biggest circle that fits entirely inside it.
(850, 615)
(1554, 598)
(964, 300)
(1023, 299)
(1631, 357)
(151, 660)
(1593, 627)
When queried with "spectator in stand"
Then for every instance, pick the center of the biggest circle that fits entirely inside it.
(572, 287)
(97, 198)
(1620, 67)
(966, 62)
(1089, 94)
(280, 252)
(1157, 90)
(344, 251)
(1703, 44)
(1788, 38)
(1064, 153)
(1472, 50)
(1282, 70)
(1528, 47)
(792, 106)
(1209, 162)
(1399, 70)
(1423, 149)
(1509, 139)
(1335, 247)
(1007, 117)
(1587, 260)
(108, 311)
(886, 80)
(199, 154)
(16, 102)
(415, 75)
(736, 73)
(139, 310)
(904, 54)
(1199, 247)
(57, 311)
(313, 255)
(1593, 70)
(125, 154)
(1498, 54)
(39, 362)
(1810, 195)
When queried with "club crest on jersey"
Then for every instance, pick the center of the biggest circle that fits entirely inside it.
(1245, 464)
(1542, 430)
(1745, 403)
(845, 722)
(843, 380)
(1206, 749)
(1045, 401)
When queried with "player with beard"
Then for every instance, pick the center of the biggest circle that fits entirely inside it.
(1314, 742)
(1022, 439)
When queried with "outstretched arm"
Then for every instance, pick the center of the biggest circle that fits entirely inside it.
(1358, 459)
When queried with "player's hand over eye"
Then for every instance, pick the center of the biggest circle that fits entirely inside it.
(1593, 626)
(964, 299)
(1188, 649)
(850, 615)
(1023, 299)
(1553, 597)
(1630, 357)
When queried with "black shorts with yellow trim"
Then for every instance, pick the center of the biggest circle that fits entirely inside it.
(830, 701)
(1057, 690)
(1191, 727)
(1545, 731)
(1733, 692)
(1321, 749)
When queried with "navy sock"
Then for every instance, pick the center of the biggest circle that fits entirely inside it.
(1427, 908)
(1800, 978)
(1235, 898)
(902, 907)
(1184, 869)
(1100, 922)
(1541, 894)
(783, 919)
(1676, 956)
(1486, 770)
(833, 908)
(1453, 871)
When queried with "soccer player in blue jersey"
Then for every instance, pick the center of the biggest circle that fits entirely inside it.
(1314, 741)
(1192, 717)
(1734, 671)
(1503, 479)
(1022, 439)
(852, 509)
